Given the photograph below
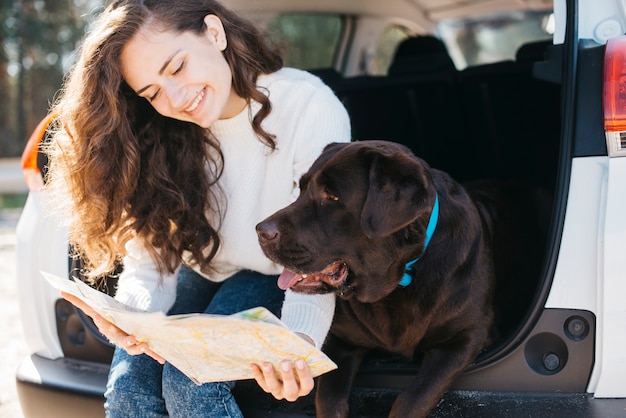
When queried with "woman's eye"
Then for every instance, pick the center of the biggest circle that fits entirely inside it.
(179, 68)
(153, 97)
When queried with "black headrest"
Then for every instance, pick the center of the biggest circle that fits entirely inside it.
(421, 55)
(533, 51)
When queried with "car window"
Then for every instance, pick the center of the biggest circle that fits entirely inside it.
(310, 40)
(386, 47)
(493, 37)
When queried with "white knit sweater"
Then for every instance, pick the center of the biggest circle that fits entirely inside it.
(305, 117)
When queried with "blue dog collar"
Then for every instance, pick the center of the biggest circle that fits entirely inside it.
(430, 230)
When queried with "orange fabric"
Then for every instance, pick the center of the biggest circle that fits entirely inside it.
(29, 156)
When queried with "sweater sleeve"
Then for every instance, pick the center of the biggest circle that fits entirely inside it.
(325, 121)
(310, 315)
(141, 285)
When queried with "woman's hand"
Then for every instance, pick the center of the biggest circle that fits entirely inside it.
(114, 334)
(290, 380)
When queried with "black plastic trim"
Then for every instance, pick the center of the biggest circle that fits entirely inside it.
(589, 137)
(81, 377)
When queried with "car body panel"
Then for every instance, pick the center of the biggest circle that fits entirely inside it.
(590, 272)
(37, 299)
(61, 388)
(600, 23)
(612, 287)
(571, 286)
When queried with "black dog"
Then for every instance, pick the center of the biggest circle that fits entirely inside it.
(408, 253)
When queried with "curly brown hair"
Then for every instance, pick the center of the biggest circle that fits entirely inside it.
(127, 170)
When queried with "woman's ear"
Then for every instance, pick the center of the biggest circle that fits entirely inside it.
(215, 31)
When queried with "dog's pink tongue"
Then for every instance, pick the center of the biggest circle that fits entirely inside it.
(287, 279)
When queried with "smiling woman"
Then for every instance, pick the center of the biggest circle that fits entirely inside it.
(179, 131)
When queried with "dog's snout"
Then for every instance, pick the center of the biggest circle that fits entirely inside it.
(267, 231)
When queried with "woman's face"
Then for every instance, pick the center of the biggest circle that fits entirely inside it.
(183, 75)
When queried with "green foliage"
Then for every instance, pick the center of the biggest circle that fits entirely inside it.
(38, 38)
(12, 201)
(310, 40)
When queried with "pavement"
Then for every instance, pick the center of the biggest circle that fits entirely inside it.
(12, 345)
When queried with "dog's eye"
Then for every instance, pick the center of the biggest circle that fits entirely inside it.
(328, 195)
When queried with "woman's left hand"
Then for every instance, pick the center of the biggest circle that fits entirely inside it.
(115, 335)
(289, 380)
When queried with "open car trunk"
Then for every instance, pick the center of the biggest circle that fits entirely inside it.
(497, 121)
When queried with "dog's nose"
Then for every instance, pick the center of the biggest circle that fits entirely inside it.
(267, 231)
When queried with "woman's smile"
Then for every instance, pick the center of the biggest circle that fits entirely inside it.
(196, 101)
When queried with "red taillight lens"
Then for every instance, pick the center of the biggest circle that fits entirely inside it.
(32, 173)
(614, 95)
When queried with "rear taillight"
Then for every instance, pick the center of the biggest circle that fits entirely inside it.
(614, 96)
(30, 168)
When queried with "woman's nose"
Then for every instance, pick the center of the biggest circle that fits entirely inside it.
(176, 95)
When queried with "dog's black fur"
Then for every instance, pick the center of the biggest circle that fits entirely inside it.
(361, 216)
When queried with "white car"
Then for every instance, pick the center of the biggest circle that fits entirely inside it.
(481, 89)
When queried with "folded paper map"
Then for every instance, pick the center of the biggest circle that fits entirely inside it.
(206, 348)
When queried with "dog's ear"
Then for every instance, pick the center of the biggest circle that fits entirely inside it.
(396, 194)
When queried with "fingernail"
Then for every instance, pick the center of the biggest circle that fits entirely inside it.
(300, 364)
(267, 367)
(285, 366)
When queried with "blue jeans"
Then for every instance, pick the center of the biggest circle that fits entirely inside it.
(140, 387)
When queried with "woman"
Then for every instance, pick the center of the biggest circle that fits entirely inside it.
(180, 132)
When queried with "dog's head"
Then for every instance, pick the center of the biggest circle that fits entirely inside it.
(363, 207)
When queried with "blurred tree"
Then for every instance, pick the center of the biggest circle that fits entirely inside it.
(5, 98)
(37, 38)
(309, 41)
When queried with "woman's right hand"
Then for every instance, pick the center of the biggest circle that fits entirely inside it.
(114, 334)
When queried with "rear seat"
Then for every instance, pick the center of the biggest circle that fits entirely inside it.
(412, 105)
(494, 120)
(330, 76)
(513, 118)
